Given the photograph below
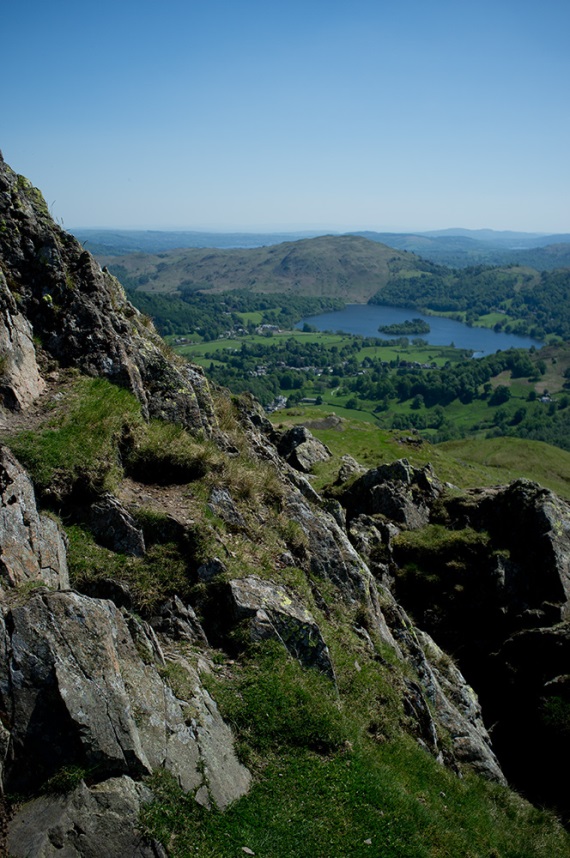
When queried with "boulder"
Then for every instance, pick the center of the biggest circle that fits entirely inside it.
(397, 491)
(301, 449)
(114, 527)
(210, 569)
(273, 613)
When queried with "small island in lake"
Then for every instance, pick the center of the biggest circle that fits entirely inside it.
(410, 326)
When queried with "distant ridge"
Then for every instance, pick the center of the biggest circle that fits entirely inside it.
(118, 242)
(460, 248)
(457, 248)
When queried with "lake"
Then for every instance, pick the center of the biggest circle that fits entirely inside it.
(364, 320)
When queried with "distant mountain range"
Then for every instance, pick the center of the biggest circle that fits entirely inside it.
(458, 248)
(109, 242)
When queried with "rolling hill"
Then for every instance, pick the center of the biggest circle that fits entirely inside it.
(348, 267)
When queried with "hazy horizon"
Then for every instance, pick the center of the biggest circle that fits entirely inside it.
(287, 228)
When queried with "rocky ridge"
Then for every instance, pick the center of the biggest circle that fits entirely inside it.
(95, 681)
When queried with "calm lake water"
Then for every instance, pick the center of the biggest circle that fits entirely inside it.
(364, 319)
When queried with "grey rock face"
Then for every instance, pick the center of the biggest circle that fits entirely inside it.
(210, 569)
(274, 614)
(79, 689)
(533, 525)
(32, 546)
(350, 468)
(449, 696)
(221, 503)
(177, 621)
(20, 379)
(330, 555)
(96, 822)
(458, 710)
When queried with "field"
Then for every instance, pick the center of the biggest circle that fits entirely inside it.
(397, 384)
(466, 463)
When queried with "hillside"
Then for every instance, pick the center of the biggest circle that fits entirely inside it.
(201, 654)
(347, 267)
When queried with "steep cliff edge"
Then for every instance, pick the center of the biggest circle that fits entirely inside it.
(187, 625)
(51, 285)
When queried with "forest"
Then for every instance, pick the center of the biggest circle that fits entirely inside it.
(535, 304)
(210, 316)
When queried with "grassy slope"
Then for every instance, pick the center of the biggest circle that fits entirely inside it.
(466, 463)
(334, 776)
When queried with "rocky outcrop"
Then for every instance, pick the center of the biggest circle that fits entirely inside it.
(101, 821)
(532, 525)
(301, 449)
(457, 709)
(273, 614)
(176, 621)
(32, 547)
(82, 316)
(20, 379)
(396, 491)
(78, 689)
(84, 685)
(114, 527)
(493, 587)
(442, 698)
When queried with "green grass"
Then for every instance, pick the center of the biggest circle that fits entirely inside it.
(79, 444)
(466, 463)
(162, 572)
(506, 459)
(255, 316)
(326, 784)
(489, 320)
(165, 453)
(420, 354)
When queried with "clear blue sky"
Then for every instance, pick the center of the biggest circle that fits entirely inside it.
(319, 114)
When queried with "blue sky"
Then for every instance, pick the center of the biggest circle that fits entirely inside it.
(301, 115)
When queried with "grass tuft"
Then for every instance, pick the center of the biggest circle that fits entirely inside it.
(79, 445)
